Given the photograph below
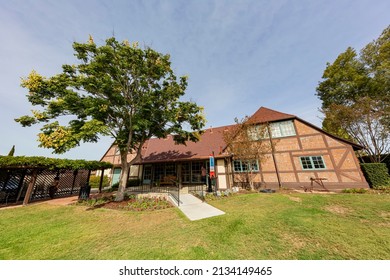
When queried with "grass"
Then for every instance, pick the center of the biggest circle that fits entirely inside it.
(255, 226)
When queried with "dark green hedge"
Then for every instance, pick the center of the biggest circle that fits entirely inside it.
(376, 174)
(385, 159)
(50, 163)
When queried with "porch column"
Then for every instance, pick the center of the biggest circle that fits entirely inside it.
(179, 175)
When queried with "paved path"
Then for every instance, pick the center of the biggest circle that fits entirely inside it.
(195, 209)
(56, 201)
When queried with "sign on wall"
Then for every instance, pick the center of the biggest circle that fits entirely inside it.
(212, 166)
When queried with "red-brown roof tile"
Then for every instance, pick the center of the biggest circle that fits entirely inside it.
(162, 150)
(264, 115)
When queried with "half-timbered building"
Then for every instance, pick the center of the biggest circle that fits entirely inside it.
(302, 156)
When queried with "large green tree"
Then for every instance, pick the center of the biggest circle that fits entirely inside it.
(116, 89)
(355, 95)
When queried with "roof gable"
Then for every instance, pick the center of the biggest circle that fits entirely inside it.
(264, 115)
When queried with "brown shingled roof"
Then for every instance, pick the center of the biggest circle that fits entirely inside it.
(264, 115)
(163, 150)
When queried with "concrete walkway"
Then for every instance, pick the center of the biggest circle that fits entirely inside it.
(195, 209)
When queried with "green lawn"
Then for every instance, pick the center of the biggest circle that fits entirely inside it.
(256, 226)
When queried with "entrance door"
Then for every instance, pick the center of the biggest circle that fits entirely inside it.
(116, 176)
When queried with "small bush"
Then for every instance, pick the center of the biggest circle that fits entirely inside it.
(218, 195)
(115, 187)
(133, 183)
(148, 204)
(354, 190)
(94, 181)
(376, 174)
(96, 201)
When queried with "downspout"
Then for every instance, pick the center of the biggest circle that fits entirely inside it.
(273, 156)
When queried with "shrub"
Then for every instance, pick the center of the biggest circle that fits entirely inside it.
(376, 174)
(148, 204)
(93, 202)
(133, 182)
(115, 187)
(354, 190)
(94, 181)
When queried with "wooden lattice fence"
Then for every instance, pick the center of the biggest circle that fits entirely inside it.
(15, 182)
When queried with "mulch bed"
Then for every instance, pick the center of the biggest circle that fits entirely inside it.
(106, 200)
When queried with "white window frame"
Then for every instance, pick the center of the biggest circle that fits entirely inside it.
(278, 130)
(283, 129)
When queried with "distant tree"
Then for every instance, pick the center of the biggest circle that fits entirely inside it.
(355, 95)
(117, 89)
(12, 151)
(249, 143)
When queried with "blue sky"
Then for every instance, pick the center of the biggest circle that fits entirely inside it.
(239, 55)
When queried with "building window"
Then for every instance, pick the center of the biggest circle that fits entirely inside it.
(196, 172)
(191, 172)
(186, 172)
(170, 169)
(147, 174)
(158, 172)
(282, 129)
(278, 130)
(246, 166)
(312, 162)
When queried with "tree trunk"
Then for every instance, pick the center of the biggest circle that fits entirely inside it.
(123, 178)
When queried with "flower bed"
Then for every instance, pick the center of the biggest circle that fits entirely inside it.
(130, 203)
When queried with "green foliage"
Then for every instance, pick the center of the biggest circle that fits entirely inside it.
(130, 203)
(130, 183)
(376, 174)
(12, 151)
(355, 95)
(50, 163)
(216, 195)
(147, 204)
(114, 187)
(94, 202)
(117, 89)
(94, 181)
(361, 190)
(133, 183)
